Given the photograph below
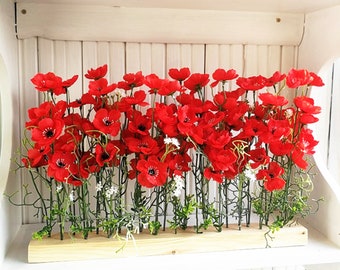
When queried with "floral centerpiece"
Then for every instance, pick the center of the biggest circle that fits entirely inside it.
(147, 153)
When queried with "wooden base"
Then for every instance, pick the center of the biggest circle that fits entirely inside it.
(99, 246)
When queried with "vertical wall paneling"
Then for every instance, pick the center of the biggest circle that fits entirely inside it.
(74, 66)
(89, 59)
(158, 59)
(103, 53)
(274, 59)
(198, 58)
(67, 58)
(46, 55)
(146, 58)
(173, 59)
(28, 64)
(251, 60)
(288, 61)
(186, 56)
(132, 57)
(262, 60)
(117, 61)
(237, 59)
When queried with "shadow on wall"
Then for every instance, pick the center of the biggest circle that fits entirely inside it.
(5, 125)
(327, 156)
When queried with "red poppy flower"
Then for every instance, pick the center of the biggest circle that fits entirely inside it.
(252, 83)
(67, 142)
(276, 129)
(298, 77)
(46, 109)
(153, 82)
(179, 74)
(61, 166)
(317, 81)
(234, 115)
(70, 81)
(269, 99)
(152, 172)
(253, 127)
(169, 88)
(298, 159)
(271, 177)
(218, 139)
(131, 80)
(187, 118)
(166, 119)
(105, 155)
(211, 119)
(137, 99)
(306, 105)
(259, 157)
(139, 124)
(210, 174)
(275, 78)
(196, 82)
(37, 156)
(100, 87)
(145, 145)
(47, 131)
(107, 121)
(306, 141)
(307, 118)
(179, 163)
(221, 159)
(48, 82)
(86, 98)
(88, 128)
(281, 147)
(87, 165)
(221, 75)
(95, 74)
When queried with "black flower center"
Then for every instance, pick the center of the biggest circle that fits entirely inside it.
(152, 171)
(141, 127)
(61, 163)
(104, 156)
(48, 132)
(107, 121)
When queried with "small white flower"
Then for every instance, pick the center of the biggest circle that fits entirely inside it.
(99, 186)
(179, 184)
(111, 191)
(59, 188)
(172, 141)
(167, 140)
(177, 192)
(175, 142)
(289, 113)
(250, 174)
(72, 196)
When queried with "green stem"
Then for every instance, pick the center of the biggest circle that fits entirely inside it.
(240, 200)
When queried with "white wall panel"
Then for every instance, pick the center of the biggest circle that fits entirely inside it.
(117, 61)
(28, 64)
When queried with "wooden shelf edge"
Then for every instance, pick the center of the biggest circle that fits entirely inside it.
(184, 242)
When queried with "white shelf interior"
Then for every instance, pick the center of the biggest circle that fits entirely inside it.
(319, 253)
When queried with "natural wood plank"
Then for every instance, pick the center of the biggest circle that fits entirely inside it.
(84, 22)
(144, 244)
